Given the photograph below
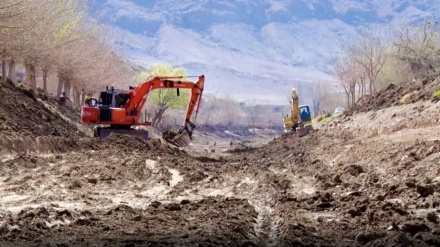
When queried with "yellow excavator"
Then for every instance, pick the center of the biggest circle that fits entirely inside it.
(300, 121)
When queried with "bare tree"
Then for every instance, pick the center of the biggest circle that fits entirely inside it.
(369, 53)
(419, 48)
(344, 71)
(57, 37)
(15, 20)
(361, 63)
(220, 110)
(253, 113)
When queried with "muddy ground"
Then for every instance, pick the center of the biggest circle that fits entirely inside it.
(370, 179)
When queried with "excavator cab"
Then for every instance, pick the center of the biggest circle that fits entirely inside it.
(304, 114)
(305, 121)
(113, 97)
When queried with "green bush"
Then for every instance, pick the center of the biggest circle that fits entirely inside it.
(436, 94)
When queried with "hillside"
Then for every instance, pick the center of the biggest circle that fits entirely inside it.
(366, 179)
(407, 92)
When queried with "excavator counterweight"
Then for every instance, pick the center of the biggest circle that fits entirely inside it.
(118, 111)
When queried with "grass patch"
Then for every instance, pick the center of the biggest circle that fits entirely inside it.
(436, 94)
(324, 118)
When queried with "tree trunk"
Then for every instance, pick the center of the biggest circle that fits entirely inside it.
(82, 97)
(158, 117)
(353, 98)
(74, 102)
(12, 73)
(67, 88)
(45, 81)
(353, 94)
(33, 78)
(362, 87)
(28, 75)
(60, 84)
(372, 90)
(78, 97)
(3, 70)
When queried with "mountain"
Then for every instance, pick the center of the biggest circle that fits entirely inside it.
(254, 50)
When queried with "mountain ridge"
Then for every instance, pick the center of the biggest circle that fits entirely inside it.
(256, 50)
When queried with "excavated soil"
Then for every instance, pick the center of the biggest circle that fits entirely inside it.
(370, 179)
(29, 123)
(393, 95)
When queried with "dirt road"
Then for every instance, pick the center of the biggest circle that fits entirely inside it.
(367, 180)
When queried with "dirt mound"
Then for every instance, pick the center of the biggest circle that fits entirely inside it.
(26, 124)
(73, 114)
(404, 93)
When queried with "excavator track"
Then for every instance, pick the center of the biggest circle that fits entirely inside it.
(104, 132)
(178, 139)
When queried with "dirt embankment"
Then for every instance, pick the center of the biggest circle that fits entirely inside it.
(393, 95)
(30, 124)
(370, 179)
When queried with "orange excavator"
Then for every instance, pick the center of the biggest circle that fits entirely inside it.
(118, 111)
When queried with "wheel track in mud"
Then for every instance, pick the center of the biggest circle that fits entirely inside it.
(261, 197)
(266, 228)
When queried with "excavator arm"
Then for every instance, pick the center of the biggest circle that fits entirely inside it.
(194, 103)
(137, 96)
(290, 122)
(137, 100)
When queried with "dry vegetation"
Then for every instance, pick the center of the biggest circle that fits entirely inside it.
(373, 62)
(57, 39)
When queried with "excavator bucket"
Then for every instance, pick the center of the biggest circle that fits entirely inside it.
(179, 139)
(301, 130)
